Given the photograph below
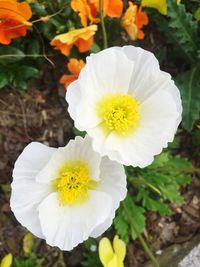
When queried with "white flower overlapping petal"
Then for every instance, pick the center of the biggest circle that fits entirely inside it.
(134, 72)
(37, 207)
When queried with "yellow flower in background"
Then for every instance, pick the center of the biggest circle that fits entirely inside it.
(112, 256)
(6, 261)
(82, 38)
(160, 5)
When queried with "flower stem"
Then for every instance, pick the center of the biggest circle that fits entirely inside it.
(103, 25)
(141, 239)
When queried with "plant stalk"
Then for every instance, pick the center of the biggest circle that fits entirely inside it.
(105, 39)
(141, 239)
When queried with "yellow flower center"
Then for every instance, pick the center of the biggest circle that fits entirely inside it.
(73, 182)
(120, 113)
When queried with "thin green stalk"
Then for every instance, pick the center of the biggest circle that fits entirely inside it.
(141, 239)
(105, 40)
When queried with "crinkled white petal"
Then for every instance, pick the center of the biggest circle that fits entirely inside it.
(113, 182)
(76, 149)
(67, 226)
(26, 192)
(158, 124)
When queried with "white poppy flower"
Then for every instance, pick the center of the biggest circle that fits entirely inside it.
(129, 107)
(68, 194)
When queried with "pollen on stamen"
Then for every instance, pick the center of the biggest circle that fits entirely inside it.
(119, 113)
(73, 182)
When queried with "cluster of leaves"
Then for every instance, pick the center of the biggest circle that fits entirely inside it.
(181, 29)
(14, 71)
(27, 262)
(152, 189)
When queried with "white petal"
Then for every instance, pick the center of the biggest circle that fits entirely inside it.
(158, 125)
(67, 226)
(108, 71)
(25, 197)
(102, 75)
(113, 182)
(75, 150)
(26, 193)
(145, 72)
(33, 158)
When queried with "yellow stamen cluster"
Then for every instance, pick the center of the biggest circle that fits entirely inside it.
(119, 113)
(73, 182)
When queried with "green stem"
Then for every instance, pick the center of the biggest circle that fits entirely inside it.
(103, 25)
(141, 239)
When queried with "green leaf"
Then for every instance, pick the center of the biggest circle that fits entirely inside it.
(189, 85)
(3, 79)
(28, 72)
(121, 221)
(95, 48)
(184, 28)
(79, 133)
(10, 54)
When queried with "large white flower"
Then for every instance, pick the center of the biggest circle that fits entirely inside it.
(67, 194)
(129, 107)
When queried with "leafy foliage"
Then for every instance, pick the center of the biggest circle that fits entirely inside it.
(152, 188)
(91, 257)
(121, 221)
(189, 84)
(28, 262)
(11, 72)
(183, 28)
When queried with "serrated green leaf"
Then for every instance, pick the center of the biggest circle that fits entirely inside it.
(184, 28)
(189, 85)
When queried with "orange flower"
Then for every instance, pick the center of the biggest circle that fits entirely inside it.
(14, 18)
(111, 8)
(88, 9)
(133, 21)
(74, 66)
(82, 38)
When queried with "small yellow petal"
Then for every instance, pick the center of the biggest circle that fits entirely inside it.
(105, 251)
(160, 5)
(6, 261)
(119, 248)
(28, 243)
(178, 2)
(113, 262)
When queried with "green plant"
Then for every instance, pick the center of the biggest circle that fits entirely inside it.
(14, 71)
(27, 262)
(152, 189)
(91, 257)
